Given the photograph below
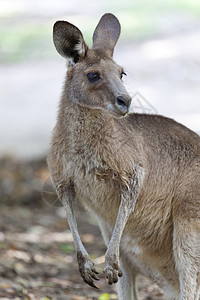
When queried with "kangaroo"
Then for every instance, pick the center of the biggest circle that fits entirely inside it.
(138, 174)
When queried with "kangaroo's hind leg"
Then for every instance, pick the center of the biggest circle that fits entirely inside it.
(126, 286)
(186, 247)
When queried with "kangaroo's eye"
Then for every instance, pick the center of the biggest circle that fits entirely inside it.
(92, 77)
(122, 74)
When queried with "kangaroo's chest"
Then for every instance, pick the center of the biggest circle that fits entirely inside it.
(95, 183)
(99, 195)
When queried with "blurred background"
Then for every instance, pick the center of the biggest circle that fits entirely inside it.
(159, 48)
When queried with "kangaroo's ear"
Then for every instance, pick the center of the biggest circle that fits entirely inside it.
(69, 41)
(106, 33)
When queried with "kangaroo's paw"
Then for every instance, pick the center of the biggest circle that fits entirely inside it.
(87, 269)
(112, 270)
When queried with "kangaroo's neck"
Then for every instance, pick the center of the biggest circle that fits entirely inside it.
(84, 124)
(95, 131)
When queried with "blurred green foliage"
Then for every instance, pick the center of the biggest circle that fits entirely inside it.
(67, 248)
(22, 39)
(104, 296)
(107, 296)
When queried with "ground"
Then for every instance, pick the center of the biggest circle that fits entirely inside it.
(37, 259)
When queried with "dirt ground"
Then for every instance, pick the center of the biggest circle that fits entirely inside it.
(37, 259)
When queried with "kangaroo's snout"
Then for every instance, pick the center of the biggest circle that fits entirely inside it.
(123, 103)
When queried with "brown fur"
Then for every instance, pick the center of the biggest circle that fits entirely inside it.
(138, 174)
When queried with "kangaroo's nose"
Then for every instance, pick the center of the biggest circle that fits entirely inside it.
(123, 103)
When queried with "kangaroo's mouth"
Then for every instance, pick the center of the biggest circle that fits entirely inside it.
(118, 112)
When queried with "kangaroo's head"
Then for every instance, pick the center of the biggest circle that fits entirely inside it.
(94, 80)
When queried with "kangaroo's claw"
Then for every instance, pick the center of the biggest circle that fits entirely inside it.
(87, 269)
